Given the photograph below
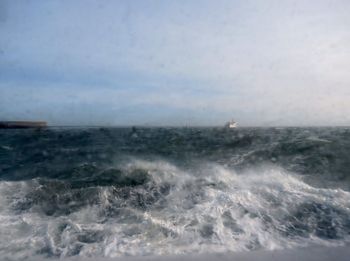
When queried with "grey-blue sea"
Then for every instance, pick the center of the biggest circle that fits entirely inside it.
(164, 192)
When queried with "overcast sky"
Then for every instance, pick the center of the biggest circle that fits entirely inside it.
(175, 62)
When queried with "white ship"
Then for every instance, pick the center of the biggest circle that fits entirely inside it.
(231, 124)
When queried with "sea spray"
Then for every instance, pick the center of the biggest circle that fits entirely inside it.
(106, 193)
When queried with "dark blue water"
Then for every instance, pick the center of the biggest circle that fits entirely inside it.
(154, 191)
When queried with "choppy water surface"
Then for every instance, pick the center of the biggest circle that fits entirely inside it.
(108, 192)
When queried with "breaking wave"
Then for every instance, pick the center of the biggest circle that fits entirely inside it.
(114, 192)
(154, 207)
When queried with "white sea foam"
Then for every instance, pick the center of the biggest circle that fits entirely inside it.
(207, 209)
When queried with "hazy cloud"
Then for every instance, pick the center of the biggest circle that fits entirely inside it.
(183, 62)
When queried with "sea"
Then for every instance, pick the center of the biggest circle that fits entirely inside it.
(120, 192)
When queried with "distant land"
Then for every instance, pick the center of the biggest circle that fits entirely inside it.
(22, 124)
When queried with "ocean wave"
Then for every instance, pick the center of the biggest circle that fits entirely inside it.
(154, 207)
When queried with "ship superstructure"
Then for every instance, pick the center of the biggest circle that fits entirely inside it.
(231, 124)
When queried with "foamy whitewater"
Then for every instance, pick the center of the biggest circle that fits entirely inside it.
(114, 192)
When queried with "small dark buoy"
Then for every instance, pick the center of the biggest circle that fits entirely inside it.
(134, 132)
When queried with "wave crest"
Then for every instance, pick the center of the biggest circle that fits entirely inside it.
(154, 207)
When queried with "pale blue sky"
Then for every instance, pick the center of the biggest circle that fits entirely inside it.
(175, 62)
